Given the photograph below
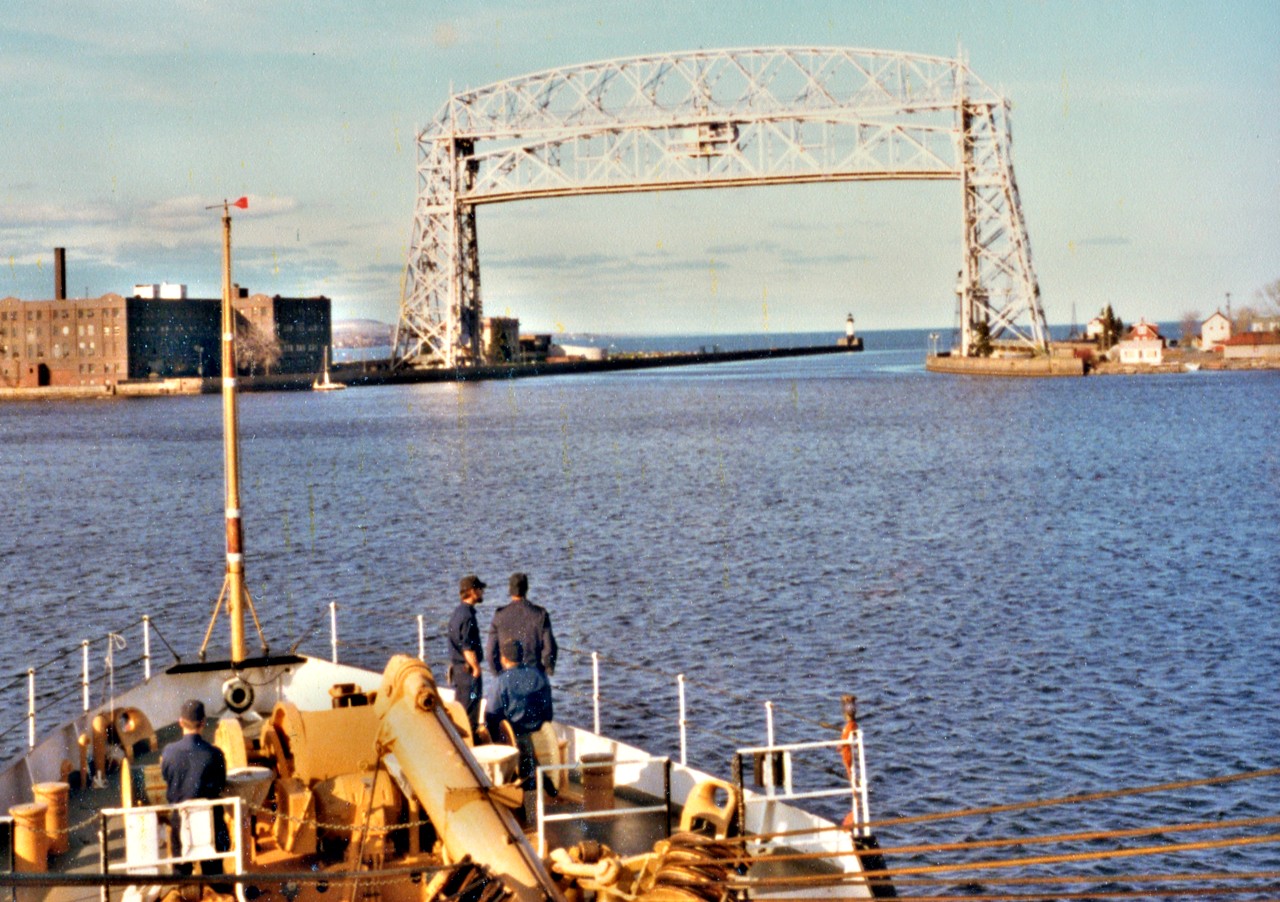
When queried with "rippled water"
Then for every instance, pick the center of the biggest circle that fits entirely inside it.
(1035, 588)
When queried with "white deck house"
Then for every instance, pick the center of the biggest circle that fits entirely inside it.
(1214, 331)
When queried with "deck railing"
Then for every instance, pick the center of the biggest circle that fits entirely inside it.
(543, 818)
(115, 642)
(777, 773)
(51, 685)
(143, 829)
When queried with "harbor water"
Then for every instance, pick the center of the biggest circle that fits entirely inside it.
(1035, 588)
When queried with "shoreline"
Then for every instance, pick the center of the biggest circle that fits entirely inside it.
(1175, 361)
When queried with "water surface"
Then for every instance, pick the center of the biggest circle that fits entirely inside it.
(1035, 587)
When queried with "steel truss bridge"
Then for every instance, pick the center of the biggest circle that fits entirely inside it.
(708, 119)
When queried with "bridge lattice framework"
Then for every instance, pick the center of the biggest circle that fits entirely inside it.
(706, 119)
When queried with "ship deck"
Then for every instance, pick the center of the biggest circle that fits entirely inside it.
(569, 822)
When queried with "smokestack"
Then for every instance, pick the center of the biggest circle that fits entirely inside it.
(59, 273)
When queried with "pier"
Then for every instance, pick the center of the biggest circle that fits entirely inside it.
(381, 372)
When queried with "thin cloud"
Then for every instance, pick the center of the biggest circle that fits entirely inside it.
(1102, 241)
(23, 216)
(190, 214)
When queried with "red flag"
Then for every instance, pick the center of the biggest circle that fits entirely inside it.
(242, 203)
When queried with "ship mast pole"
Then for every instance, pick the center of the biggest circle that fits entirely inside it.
(234, 587)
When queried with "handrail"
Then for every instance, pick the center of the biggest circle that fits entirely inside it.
(606, 813)
(51, 694)
(143, 864)
(856, 788)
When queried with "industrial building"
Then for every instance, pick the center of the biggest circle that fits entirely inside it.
(157, 333)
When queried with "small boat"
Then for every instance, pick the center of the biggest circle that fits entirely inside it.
(1191, 367)
(324, 383)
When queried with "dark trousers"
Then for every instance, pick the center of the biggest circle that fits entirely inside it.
(529, 766)
(469, 690)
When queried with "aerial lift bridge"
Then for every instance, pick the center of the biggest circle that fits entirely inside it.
(707, 119)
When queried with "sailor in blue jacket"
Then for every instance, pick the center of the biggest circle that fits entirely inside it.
(522, 697)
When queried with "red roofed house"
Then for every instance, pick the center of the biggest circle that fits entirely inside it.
(1252, 346)
(1143, 345)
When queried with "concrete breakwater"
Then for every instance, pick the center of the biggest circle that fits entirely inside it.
(1006, 366)
(381, 373)
(353, 374)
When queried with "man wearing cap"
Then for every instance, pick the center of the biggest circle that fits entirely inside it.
(465, 651)
(528, 624)
(195, 769)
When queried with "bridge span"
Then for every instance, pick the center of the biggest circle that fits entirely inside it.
(708, 119)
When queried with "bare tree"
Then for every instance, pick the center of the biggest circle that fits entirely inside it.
(256, 351)
(1243, 317)
(1270, 295)
(1190, 326)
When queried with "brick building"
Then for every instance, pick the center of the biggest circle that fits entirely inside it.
(104, 340)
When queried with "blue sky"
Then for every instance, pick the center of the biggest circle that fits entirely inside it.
(1146, 146)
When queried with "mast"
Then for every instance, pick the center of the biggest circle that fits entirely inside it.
(234, 590)
(234, 586)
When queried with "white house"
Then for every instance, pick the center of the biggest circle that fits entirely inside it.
(1142, 346)
(1094, 328)
(1214, 331)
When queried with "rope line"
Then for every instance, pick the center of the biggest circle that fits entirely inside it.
(1071, 857)
(159, 635)
(1182, 892)
(1037, 803)
(1089, 836)
(667, 676)
(1097, 878)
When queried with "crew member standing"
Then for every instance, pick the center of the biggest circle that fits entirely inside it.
(195, 769)
(527, 623)
(465, 651)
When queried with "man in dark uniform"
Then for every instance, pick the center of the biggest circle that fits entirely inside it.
(465, 652)
(528, 624)
(195, 769)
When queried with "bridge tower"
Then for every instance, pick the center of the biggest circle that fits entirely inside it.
(705, 119)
